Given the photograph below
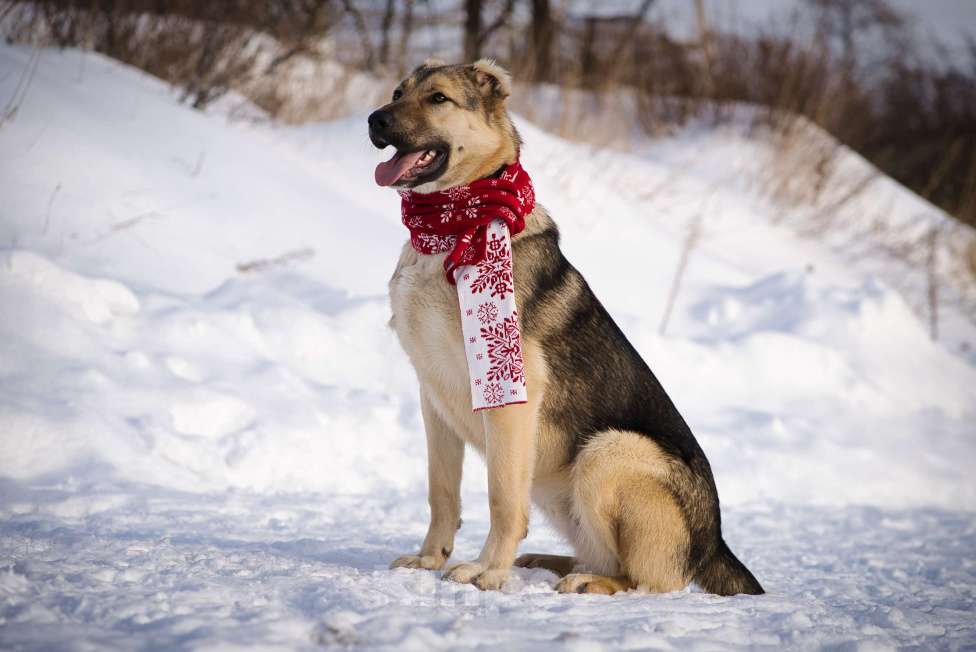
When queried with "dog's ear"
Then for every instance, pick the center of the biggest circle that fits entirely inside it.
(491, 78)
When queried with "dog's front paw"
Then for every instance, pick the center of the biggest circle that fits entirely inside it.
(492, 579)
(429, 562)
(472, 572)
(463, 573)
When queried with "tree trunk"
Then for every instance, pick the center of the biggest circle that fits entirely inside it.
(111, 39)
(388, 15)
(588, 56)
(542, 33)
(472, 30)
(406, 31)
(705, 42)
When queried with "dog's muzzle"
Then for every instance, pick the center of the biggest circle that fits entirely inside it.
(380, 124)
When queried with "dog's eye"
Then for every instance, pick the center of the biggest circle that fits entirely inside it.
(438, 98)
(397, 94)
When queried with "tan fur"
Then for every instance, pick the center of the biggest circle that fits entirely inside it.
(489, 70)
(481, 141)
(445, 456)
(590, 583)
(627, 517)
(610, 501)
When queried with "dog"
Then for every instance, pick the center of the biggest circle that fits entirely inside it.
(599, 446)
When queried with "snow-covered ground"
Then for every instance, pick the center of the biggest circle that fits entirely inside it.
(210, 440)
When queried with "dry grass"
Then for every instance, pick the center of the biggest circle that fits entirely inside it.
(205, 49)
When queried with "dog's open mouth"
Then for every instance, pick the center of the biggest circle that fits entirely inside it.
(410, 167)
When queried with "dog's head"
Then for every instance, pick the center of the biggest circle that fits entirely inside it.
(448, 124)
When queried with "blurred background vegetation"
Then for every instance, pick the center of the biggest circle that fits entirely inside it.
(856, 68)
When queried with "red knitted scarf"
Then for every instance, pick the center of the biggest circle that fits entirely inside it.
(457, 219)
(474, 225)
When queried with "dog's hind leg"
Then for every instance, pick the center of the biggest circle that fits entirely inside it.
(561, 565)
(631, 529)
(589, 583)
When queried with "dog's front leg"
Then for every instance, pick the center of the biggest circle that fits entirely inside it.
(445, 457)
(510, 457)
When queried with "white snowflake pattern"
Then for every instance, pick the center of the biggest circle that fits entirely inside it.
(433, 243)
(458, 192)
(526, 197)
(468, 257)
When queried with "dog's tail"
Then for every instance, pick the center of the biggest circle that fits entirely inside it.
(722, 573)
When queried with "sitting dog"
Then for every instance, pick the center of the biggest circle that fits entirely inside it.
(596, 443)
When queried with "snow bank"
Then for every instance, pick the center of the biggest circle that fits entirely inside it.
(136, 349)
(209, 436)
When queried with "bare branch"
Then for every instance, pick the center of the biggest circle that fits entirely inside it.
(369, 57)
(500, 20)
(632, 30)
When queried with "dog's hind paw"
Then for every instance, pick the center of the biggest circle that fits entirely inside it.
(588, 583)
(428, 562)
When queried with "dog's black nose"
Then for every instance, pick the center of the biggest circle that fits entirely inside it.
(380, 120)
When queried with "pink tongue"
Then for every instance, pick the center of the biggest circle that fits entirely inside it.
(388, 172)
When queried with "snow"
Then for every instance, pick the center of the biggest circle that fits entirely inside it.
(173, 571)
(209, 438)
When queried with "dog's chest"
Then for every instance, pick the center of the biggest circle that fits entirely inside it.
(428, 324)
